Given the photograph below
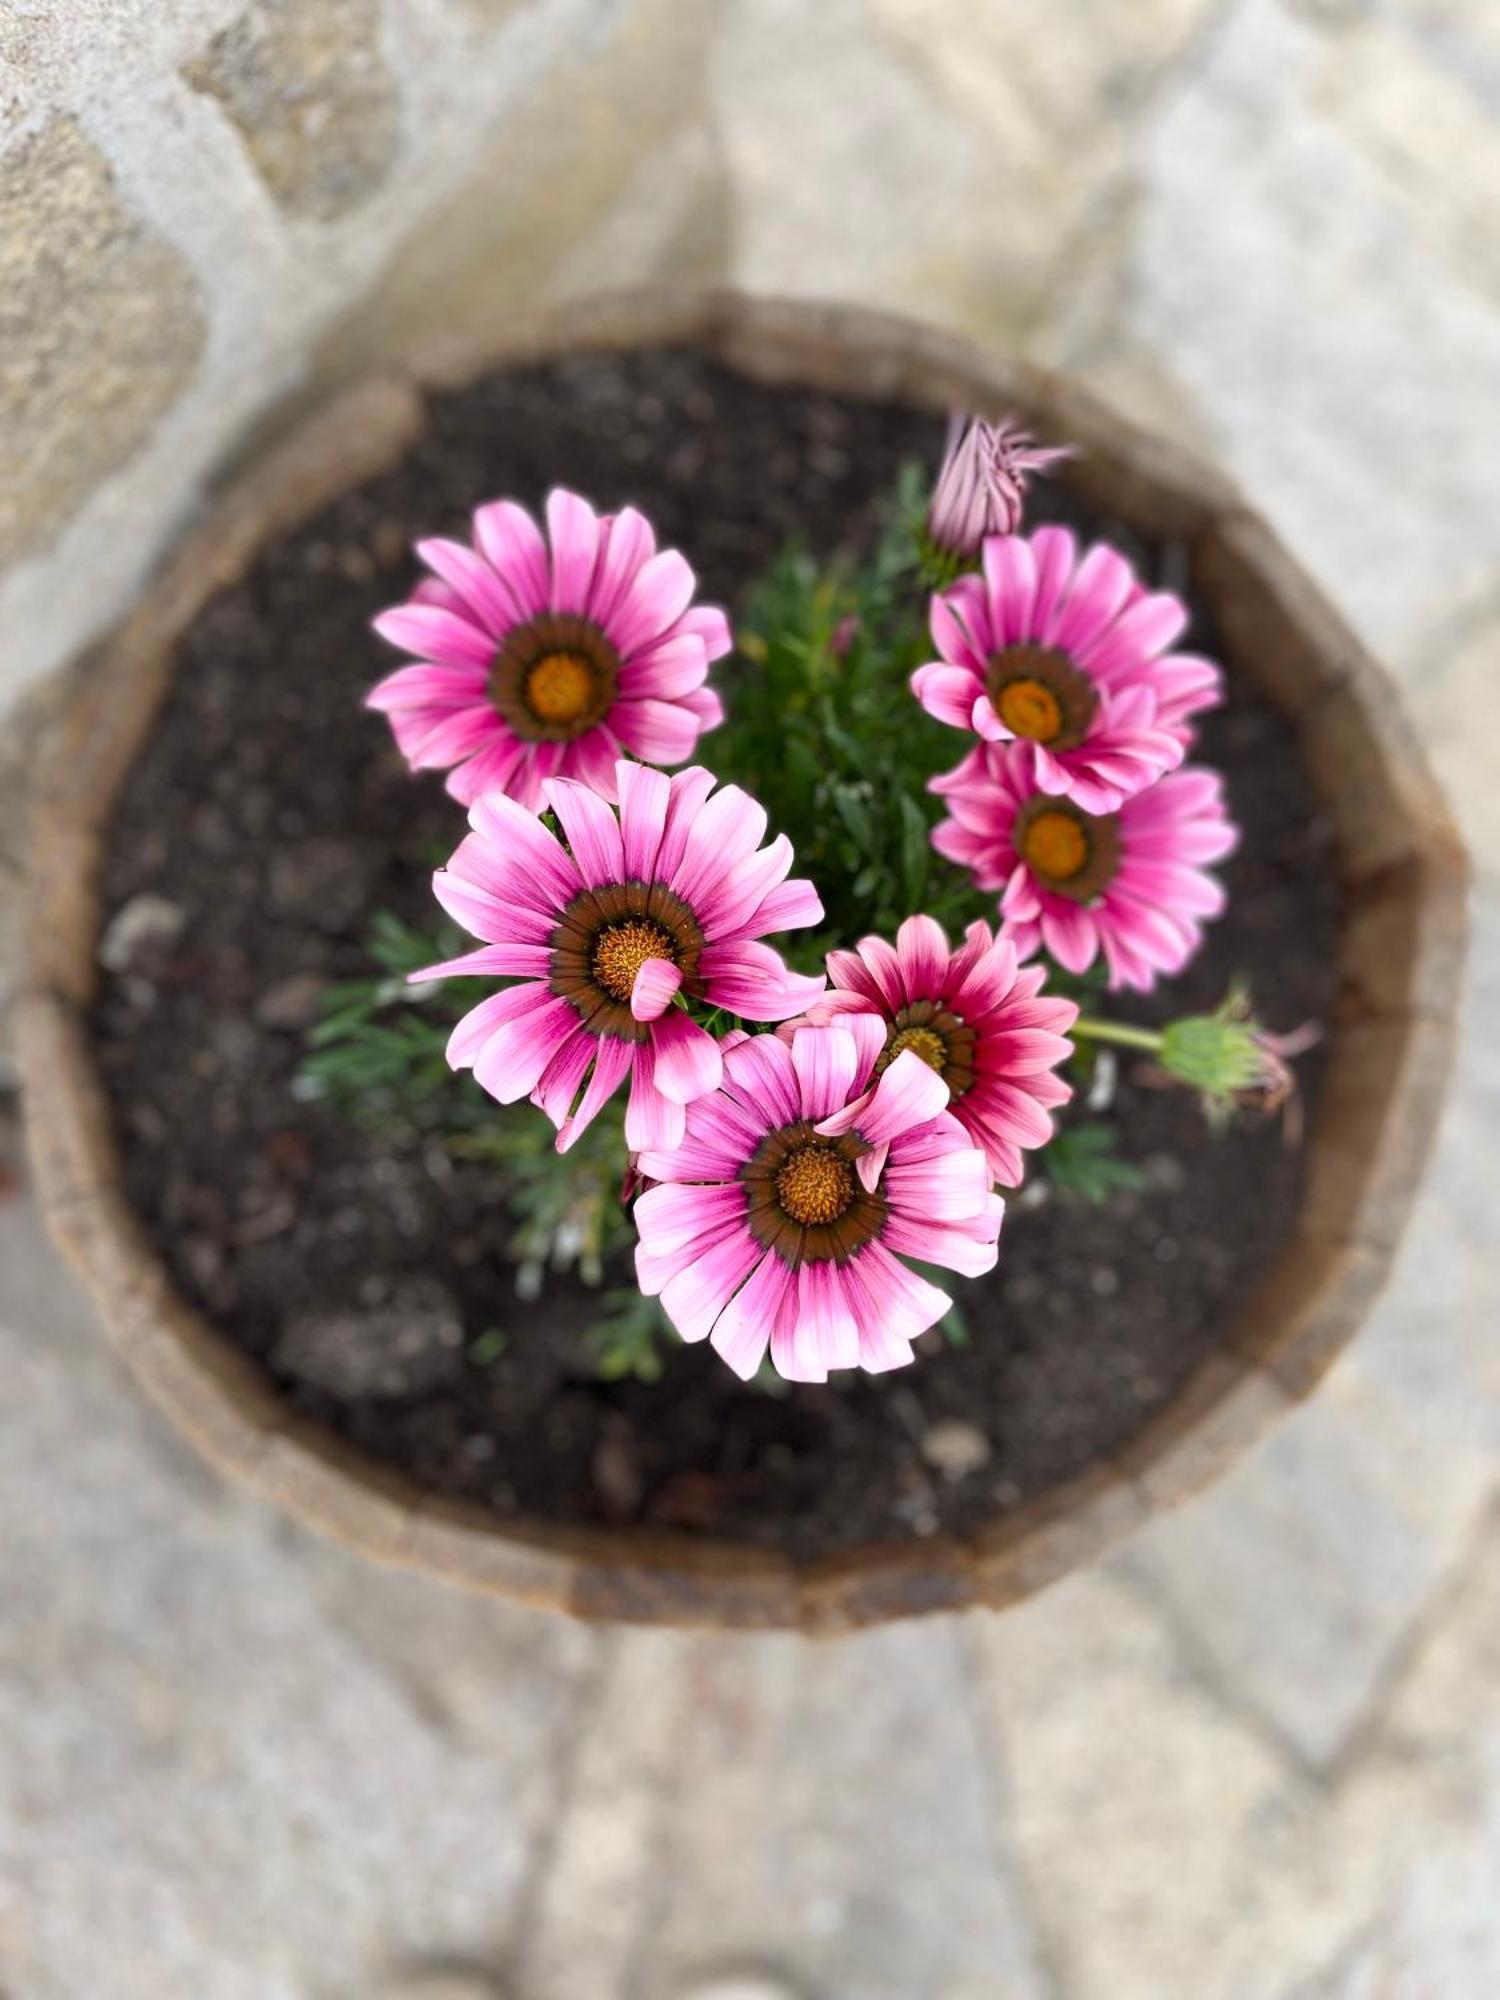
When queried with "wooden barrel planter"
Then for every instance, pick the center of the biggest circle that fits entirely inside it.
(1402, 874)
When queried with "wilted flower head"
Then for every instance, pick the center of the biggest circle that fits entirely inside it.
(981, 485)
(541, 659)
(783, 1217)
(667, 897)
(1132, 884)
(973, 1015)
(1232, 1061)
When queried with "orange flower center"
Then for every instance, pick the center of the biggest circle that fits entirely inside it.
(923, 1042)
(814, 1186)
(1056, 844)
(1041, 696)
(560, 688)
(1029, 709)
(620, 950)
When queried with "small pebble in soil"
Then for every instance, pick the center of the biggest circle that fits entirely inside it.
(955, 1449)
(291, 1004)
(140, 931)
(410, 1342)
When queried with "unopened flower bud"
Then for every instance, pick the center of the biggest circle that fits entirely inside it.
(980, 490)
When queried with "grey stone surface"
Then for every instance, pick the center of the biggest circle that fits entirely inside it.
(234, 1764)
(314, 100)
(101, 324)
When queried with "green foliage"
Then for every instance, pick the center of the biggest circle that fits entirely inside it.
(824, 730)
(566, 1208)
(628, 1336)
(377, 1048)
(378, 1054)
(1082, 1160)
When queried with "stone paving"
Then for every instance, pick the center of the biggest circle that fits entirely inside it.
(1257, 1755)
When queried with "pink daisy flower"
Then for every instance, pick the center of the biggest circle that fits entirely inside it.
(1130, 884)
(783, 1217)
(536, 663)
(657, 902)
(973, 1015)
(981, 483)
(1070, 658)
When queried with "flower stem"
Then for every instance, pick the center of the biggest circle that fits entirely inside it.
(1089, 1028)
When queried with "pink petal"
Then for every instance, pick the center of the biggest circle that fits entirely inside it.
(726, 830)
(1054, 551)
(447, 738)
(985, 722)
(591, 830)
(473, 582)
(655, 988)
(790, 906)
(497, 1011)
(644, 795)
(826, 1061)
(895, 1300)
(743, 1330)
(951, 634)
(573, 530)
(559, 1081)
(947, 692)
(739, 896)
(708, 623)
(827, 1333)
(611, 1062)
(426, 686)
(1101, 587)
(748, 978)
(625, 543)
(688, 791)
(760, 1073)
(502, 961)
(950, 1187)
(670, 669)
(660, 732)
(512, 545)
(671, 1219)
(659, 593)
(694, 1299)
(922, 953)
(653, 1121)
(706, 704)
(688, 1063)
(906, 1095)
(1010, 571)
(970, 1248)
(513, 1059)
(438, 635)
(1069, 935)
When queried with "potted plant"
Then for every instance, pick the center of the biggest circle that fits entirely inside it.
(1050, 898)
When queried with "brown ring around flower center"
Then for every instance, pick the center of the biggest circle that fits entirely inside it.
(604, 937)
(1072, 853)
(1041, 696)
(554, 678)
(806, 1200)
(943, 1039)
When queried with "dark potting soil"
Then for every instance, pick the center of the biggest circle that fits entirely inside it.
(269, 817)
